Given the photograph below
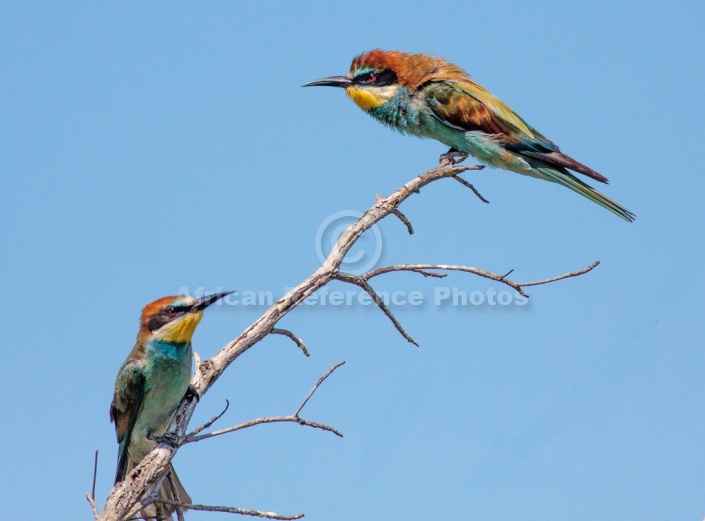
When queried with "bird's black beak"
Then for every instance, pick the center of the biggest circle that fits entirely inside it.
(333, 81)
(203, 302)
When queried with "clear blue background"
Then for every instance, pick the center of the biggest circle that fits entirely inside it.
(148, 147)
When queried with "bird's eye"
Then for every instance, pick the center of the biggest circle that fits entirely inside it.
(172, 312)
(368, 78)
(377, 78)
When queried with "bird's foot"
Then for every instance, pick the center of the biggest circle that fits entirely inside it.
(169, 438)
(191, 392)
(452, 157)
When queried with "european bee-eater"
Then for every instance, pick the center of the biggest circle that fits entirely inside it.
(429, 97)
(152, 382)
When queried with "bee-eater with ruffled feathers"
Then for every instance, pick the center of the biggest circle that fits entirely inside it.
(152, 382)
(429, 97)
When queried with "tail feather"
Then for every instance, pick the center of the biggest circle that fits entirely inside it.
(570, 181)
(158, 511)
(557, 158)
(183, 496)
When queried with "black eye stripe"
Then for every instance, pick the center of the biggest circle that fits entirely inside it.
(378, 79)
(157, 321)
(167, 315)
(387, 77)
(368, 77)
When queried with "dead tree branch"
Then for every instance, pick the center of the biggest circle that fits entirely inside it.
(141, 480)
(278, 419)
(299, 343)
(362, 282)
(209, 422)
(91, 495)
(471, 187)
(178, 506)
(94, 507)
(230, 510)
(517, 286)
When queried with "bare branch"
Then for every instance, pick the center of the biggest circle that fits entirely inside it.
(95, 472)
(471, 187)
(90, 499)
(517, 286)
(318, 384)
(175, 490)
(431, 274)
(267, 419)
(561, 277)
(230, 510)
(141, 479)
(209, 422)
(91, 496)
(299, 343)
(360, 281)
(295, 418)
(405, 220)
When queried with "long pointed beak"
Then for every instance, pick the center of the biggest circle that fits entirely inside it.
(332, 81)
(203, 302)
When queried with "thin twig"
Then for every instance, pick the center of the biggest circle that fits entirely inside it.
(91, 496)
(517, 286)
(318, 384)
(94, 507)
(406, 267)
(471, 187)
(360, 281)
(403, 218)
(560, 277)
(299, 343)
(209, 422)
(231, 510)
(150, 500)
(295, 418)
(431, 274)
(197, 360)
(95, 472)
(267, 419)
(174, 490)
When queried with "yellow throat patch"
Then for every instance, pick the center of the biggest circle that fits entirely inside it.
(181, 331)
(368, 98)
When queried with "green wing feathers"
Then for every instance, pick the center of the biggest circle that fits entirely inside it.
(468, 106)
(127, 401)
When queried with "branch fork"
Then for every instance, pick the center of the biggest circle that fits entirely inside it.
(127, 494)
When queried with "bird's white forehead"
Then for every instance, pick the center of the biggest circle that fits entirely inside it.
(186, 300)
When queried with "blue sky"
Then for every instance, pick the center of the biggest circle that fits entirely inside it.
(152, 147)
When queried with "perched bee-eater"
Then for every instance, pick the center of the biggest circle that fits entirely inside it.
(152, 382)
(429, 97)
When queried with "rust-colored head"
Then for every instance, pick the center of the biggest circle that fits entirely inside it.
(411, 70)
(376, 76)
